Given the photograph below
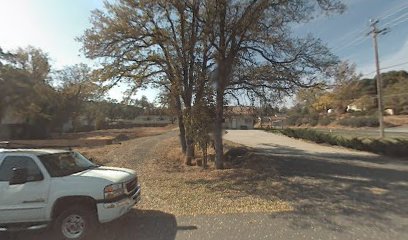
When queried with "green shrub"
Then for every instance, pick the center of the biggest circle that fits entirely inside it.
(293, 120)
(298, 119)
(325, 120)
(359, 122)
(358, 113)
(395, 148)
(313, 122)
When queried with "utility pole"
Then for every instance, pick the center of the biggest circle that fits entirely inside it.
(374, 32)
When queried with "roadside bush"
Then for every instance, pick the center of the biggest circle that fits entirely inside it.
(358, 113)
(313, 122)
(359, 122)
(394, 148)
(309, 134)
(325, 120)
(313, 119)
(100, 123)
(404, 110)
(294, 120)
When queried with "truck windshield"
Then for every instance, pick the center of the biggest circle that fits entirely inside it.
(64, 164)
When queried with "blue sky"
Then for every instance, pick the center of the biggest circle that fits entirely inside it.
(52, 25)
(346, 34)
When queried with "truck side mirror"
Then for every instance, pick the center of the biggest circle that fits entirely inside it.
(19, 176)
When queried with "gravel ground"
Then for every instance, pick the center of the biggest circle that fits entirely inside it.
(128, 154)
(171, 187)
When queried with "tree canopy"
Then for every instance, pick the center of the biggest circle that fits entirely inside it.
(44, 99)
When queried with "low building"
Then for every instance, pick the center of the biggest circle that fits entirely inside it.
(389, 111)
(273, 121)
(239, 117)
(354, 108)
(148, 119)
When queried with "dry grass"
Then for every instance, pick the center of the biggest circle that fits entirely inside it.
(172, 187)
(397, 120)
(93, 138)
(131, 133)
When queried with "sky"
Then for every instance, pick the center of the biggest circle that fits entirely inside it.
(346, 34)
(53, 25)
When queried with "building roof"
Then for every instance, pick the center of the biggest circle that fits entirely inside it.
(239, 111)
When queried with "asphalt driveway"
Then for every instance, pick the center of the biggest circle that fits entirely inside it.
(342, 193)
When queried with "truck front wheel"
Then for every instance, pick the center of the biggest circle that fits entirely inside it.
(75, 223)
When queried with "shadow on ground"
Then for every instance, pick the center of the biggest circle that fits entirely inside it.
(337, 191)
(137, 224)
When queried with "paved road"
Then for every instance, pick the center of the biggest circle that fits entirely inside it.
(337, 194)
(397, 130)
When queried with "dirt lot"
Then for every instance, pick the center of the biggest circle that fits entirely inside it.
(170, 186)
(397, 120)
(94, 138)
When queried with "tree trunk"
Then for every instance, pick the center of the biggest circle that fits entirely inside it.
(190, 150)
(205, 155)
(182, 129)
(182, 135)
(219, 115)
(188, 136)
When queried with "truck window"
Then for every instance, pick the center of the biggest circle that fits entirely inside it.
(10, 162)
(64, 164)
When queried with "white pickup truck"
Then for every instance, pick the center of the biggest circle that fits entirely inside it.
(61, 189)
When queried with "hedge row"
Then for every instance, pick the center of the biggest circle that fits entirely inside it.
(394, 148)
(359, 122)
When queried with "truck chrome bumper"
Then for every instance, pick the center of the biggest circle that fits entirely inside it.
(130, 200)
(110, 211)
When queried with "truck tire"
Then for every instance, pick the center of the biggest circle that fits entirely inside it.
(75, 223)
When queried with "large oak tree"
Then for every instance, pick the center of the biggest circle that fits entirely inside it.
(152, 42)
(190, 46)
(256, 34)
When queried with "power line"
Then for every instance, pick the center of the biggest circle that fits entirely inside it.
(397, 23)
(386, 15)
(393, 21)
(359, 37)
(355, 42)
(357, 33)
(395, 65)
(393, 11)
(384, 68)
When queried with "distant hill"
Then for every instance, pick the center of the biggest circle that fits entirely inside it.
(395, 91)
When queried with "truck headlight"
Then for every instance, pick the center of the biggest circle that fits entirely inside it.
(114, 190)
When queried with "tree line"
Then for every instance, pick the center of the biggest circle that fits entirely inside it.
(350, 93)
(44, 98)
